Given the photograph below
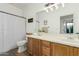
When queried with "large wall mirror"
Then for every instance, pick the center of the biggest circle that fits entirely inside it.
(66, 24)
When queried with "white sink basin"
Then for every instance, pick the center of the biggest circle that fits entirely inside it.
(76, 41)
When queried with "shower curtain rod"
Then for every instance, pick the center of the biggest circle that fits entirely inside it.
(12, 14)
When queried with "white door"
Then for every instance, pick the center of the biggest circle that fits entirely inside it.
(14, 31)
(9, 25)
(1, 32)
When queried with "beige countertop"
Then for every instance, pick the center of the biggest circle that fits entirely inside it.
(59, 38)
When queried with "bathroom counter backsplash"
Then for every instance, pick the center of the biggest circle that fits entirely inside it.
(67, 39)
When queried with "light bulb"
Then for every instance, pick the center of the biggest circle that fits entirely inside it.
(51, 9)
(46, 10)
(56, 6)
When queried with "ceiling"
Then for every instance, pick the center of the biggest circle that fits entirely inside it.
(19, 5)
(25, 5)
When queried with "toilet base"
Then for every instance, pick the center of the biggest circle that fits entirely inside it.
(21, 49)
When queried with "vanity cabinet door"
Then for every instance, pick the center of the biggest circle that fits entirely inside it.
(75, 51)
(30, 46)
(63, 50)
(78, 51)
(59, 50)
(36, 47)
(70, 51)
(45, 48)
(52, 49)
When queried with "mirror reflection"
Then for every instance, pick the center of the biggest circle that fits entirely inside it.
(66, 24)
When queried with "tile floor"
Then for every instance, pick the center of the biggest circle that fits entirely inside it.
(13, 52)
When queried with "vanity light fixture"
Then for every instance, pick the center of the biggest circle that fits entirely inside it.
(51, 9)
(46, 10)
(51, 5)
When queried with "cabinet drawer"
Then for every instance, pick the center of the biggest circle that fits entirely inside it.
(45, 51)
(46, 43)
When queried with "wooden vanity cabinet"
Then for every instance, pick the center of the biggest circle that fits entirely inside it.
(63, 50)
(37, 47)
(59, 50)
(34, 46)
(45, 48)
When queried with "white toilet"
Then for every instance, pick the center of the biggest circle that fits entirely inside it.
(21, 46)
